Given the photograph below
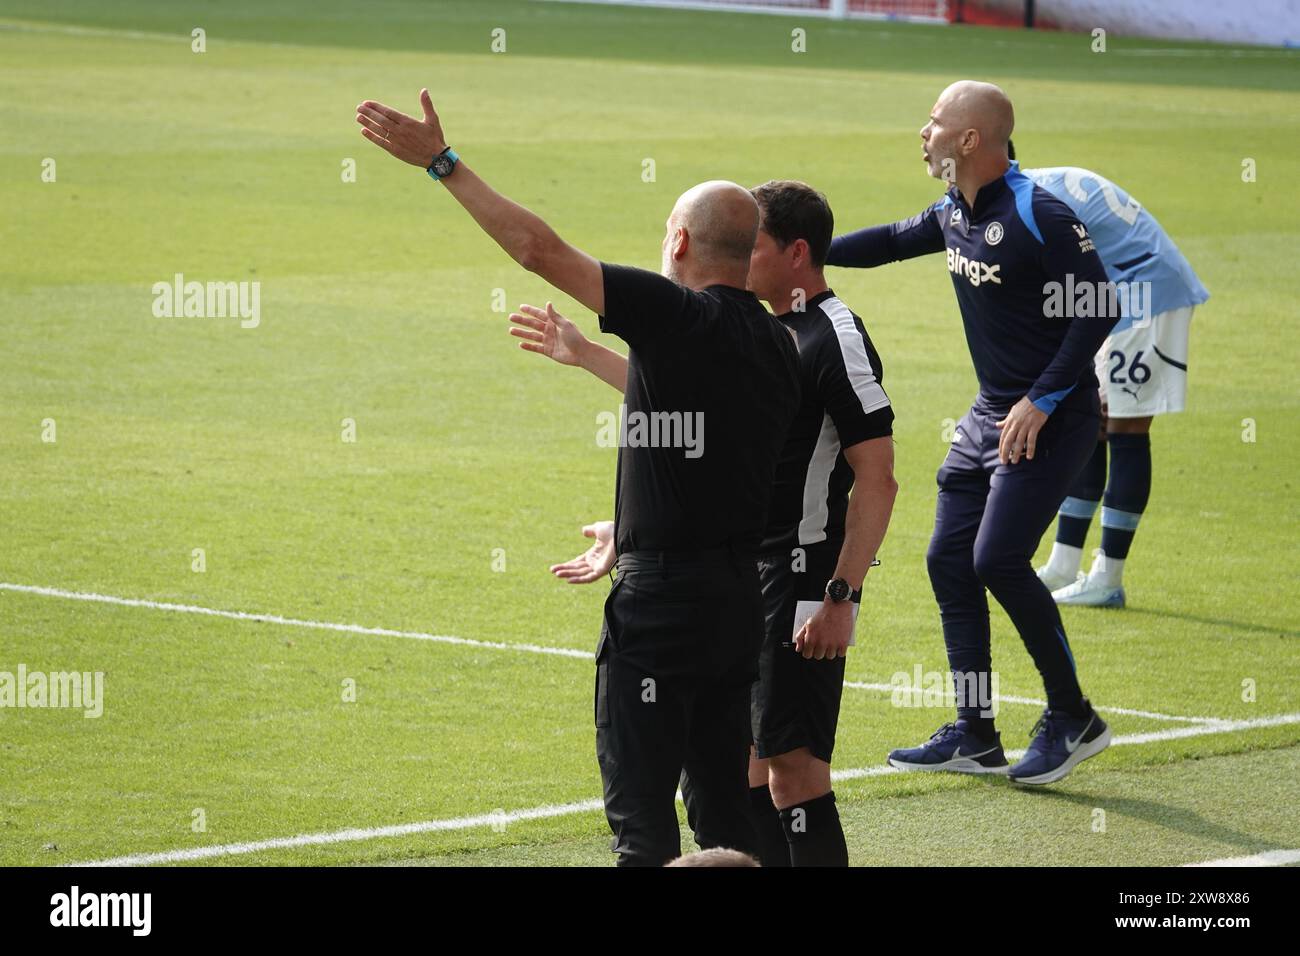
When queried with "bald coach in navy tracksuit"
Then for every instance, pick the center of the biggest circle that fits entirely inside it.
(1017, 255)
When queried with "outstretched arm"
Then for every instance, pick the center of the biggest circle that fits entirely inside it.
(522, 234)
(548, 333)
(877, 245)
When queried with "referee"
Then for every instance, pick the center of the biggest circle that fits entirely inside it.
(684, 620)
(1032, 427)
(818, 543)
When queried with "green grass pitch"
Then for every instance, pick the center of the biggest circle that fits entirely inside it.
(377, 305)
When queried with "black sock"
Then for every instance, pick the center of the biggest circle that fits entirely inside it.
(1126, 494)
(813, 831)
(773, 850)
(981, 727)
(1077, 509)
(1083, 709)
(973, 692)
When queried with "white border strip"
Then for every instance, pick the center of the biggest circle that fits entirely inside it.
(823, 13)
(353, 835)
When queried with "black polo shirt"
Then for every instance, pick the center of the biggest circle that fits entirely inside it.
(712, 386)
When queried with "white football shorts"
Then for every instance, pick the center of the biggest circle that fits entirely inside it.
(1143, 369)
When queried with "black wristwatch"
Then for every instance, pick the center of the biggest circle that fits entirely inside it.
(443, 164)
(838, 590)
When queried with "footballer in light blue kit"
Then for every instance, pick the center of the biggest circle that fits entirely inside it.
(1142, 368)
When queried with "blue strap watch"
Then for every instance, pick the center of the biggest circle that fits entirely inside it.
(443, 164)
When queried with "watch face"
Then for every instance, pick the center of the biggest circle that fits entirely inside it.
(838, 589)
(442, 166)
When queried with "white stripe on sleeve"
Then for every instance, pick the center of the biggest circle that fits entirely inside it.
(856, 361)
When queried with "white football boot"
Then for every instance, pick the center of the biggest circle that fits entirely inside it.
(1090, 590)
(1055, 579)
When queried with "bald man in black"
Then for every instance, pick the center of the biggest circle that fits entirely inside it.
(683, 623)
(712, 386)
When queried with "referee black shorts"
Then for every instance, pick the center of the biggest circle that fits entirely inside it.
(795, 702)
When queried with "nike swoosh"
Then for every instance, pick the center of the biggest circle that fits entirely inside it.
(1072, 745)
(958, 755)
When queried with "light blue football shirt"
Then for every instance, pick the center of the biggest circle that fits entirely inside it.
(1132, 246)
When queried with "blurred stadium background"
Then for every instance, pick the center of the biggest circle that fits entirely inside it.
(1270, 22)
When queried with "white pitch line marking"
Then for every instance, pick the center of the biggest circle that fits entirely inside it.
(110, 33)
(351, 835)
(293, 622)
(567, 809)
(463, 641)
(1010, 699)
(21, 26)
(1268, 858)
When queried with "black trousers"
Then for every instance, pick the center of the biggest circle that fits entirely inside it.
(677, 655)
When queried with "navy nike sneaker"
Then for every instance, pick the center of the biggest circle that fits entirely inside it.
(952, 747)
(1061, 742)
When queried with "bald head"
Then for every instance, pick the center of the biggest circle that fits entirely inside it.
(721, 221)
(965, 141)
(982, 107)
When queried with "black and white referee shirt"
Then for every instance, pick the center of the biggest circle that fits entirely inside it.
(843, 403)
